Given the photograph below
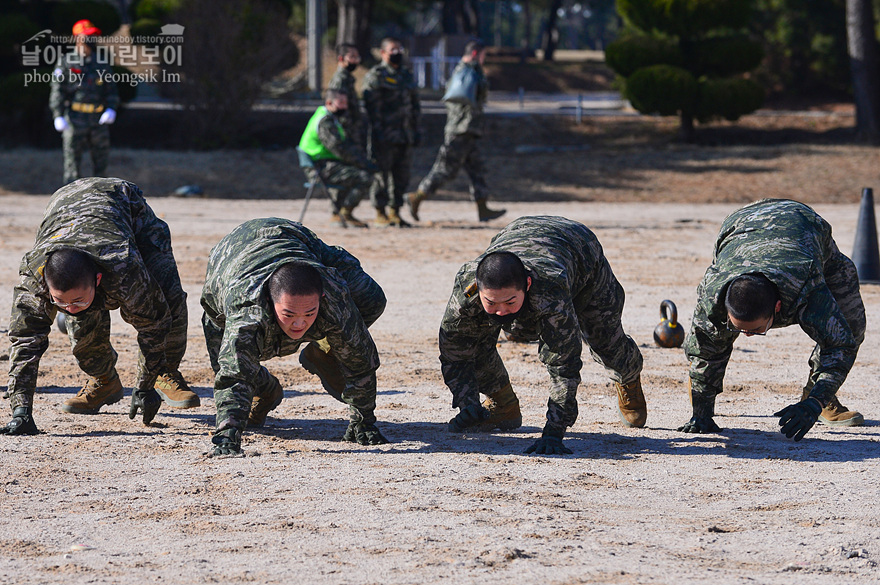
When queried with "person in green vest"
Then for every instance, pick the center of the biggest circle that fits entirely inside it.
(339, 159)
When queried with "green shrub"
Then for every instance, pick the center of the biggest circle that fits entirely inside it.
(662, 89)
(146, 28)
(103, 15)
(727, 98)
(155, 9)
(724, 56)
(14, 30)
(686, 18)
(627, 54)
(20, 101)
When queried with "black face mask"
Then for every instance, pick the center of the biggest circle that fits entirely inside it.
(351, 67)
(340, 112)
(395, 58)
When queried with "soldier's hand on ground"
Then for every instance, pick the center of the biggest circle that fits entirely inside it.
(550, 443)
(797, 419)
(468, 417)
(22, 423)
(227, 443)
(700, 424)
(108, 117)
(148, 401)
(60, 123)
(364, 434)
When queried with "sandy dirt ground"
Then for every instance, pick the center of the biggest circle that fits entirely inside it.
(103, 499)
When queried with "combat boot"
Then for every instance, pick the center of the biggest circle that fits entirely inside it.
(321, 363)
(174, 390)
(381, 219)
(95, 394)
(836, 414)
(395, 219)
(631, 404)
(265, 402)
(337, 220)
(413, 200)
(504, 413)
(487, 214)
(346, 214)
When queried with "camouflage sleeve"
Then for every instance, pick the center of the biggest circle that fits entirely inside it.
(822, 319)
(58, 94)
(416, 108)
(29, 335)
(372, 104)
(343, 147)
(462, 339)
(708, 348)
(239, 361)
(560, 350)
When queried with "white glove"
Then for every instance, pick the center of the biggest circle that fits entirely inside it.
(61, 124)
(108, 117)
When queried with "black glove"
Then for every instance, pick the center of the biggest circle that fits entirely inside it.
(22, 423)
(364, 434)
(147, 400)
(227, 443)
(550, 443)
(799, 418)
(468, 417)
(700, 424)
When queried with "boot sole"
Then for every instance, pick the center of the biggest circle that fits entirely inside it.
(628, 423)
(855, 421)
(188, 403)
(111, 400)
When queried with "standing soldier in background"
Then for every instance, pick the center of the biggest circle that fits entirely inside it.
(776, 264)
(272, 285)
(100, 247)
(348, 58)
(547, 278)
(338, 157)
(83, 101)
(464, 127)
(391, 99)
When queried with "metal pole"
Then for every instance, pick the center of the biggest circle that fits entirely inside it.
(314, 30)
(579, 112)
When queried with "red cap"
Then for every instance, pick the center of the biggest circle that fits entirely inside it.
(85, 27)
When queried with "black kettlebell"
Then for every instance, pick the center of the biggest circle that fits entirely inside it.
(668, 333)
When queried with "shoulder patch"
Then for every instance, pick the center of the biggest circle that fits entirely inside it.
(391, 80)
(471, 290)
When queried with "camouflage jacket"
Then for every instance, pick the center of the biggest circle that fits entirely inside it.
(82, 80)
(391, 99)
(344, 81)
(343, 145)
(109, 220)
(564, 258)
(466, 118)
(789, 243)
(235, 297)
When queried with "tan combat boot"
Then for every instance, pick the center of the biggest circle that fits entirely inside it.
(265, 402)
(486, 214)
(631, 404)
(381, 219)
(395, 219)
(174, 390)
(346, 214)
(95, 394)
(836, 414)
(504, 413)
(319, 361)
(413, 200)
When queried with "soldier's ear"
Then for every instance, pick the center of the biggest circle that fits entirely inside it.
(528, 283)
(98, 280)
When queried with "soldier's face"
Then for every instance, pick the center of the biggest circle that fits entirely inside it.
(296, 314)
(503, 301)
(352, 57)
(75, 300)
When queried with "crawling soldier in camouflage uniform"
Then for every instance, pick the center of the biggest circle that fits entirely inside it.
(272, 285)
(100, 247)
(464, 128)
(83, 101)
(339, 159)
(391, 99)
(547, 278)
(775, 265)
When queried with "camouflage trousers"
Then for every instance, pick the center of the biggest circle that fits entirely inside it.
(89, 331)
(843, 282)
(76, 140)
(458, 151)
(346, 183)
(394, 161)
(234, 404)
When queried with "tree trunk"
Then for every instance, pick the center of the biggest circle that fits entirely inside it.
(353, 24)
(862, 45)
(686, 132)
(460, 17)
(551, 36)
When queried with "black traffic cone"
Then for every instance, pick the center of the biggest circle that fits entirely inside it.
(865, 255)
